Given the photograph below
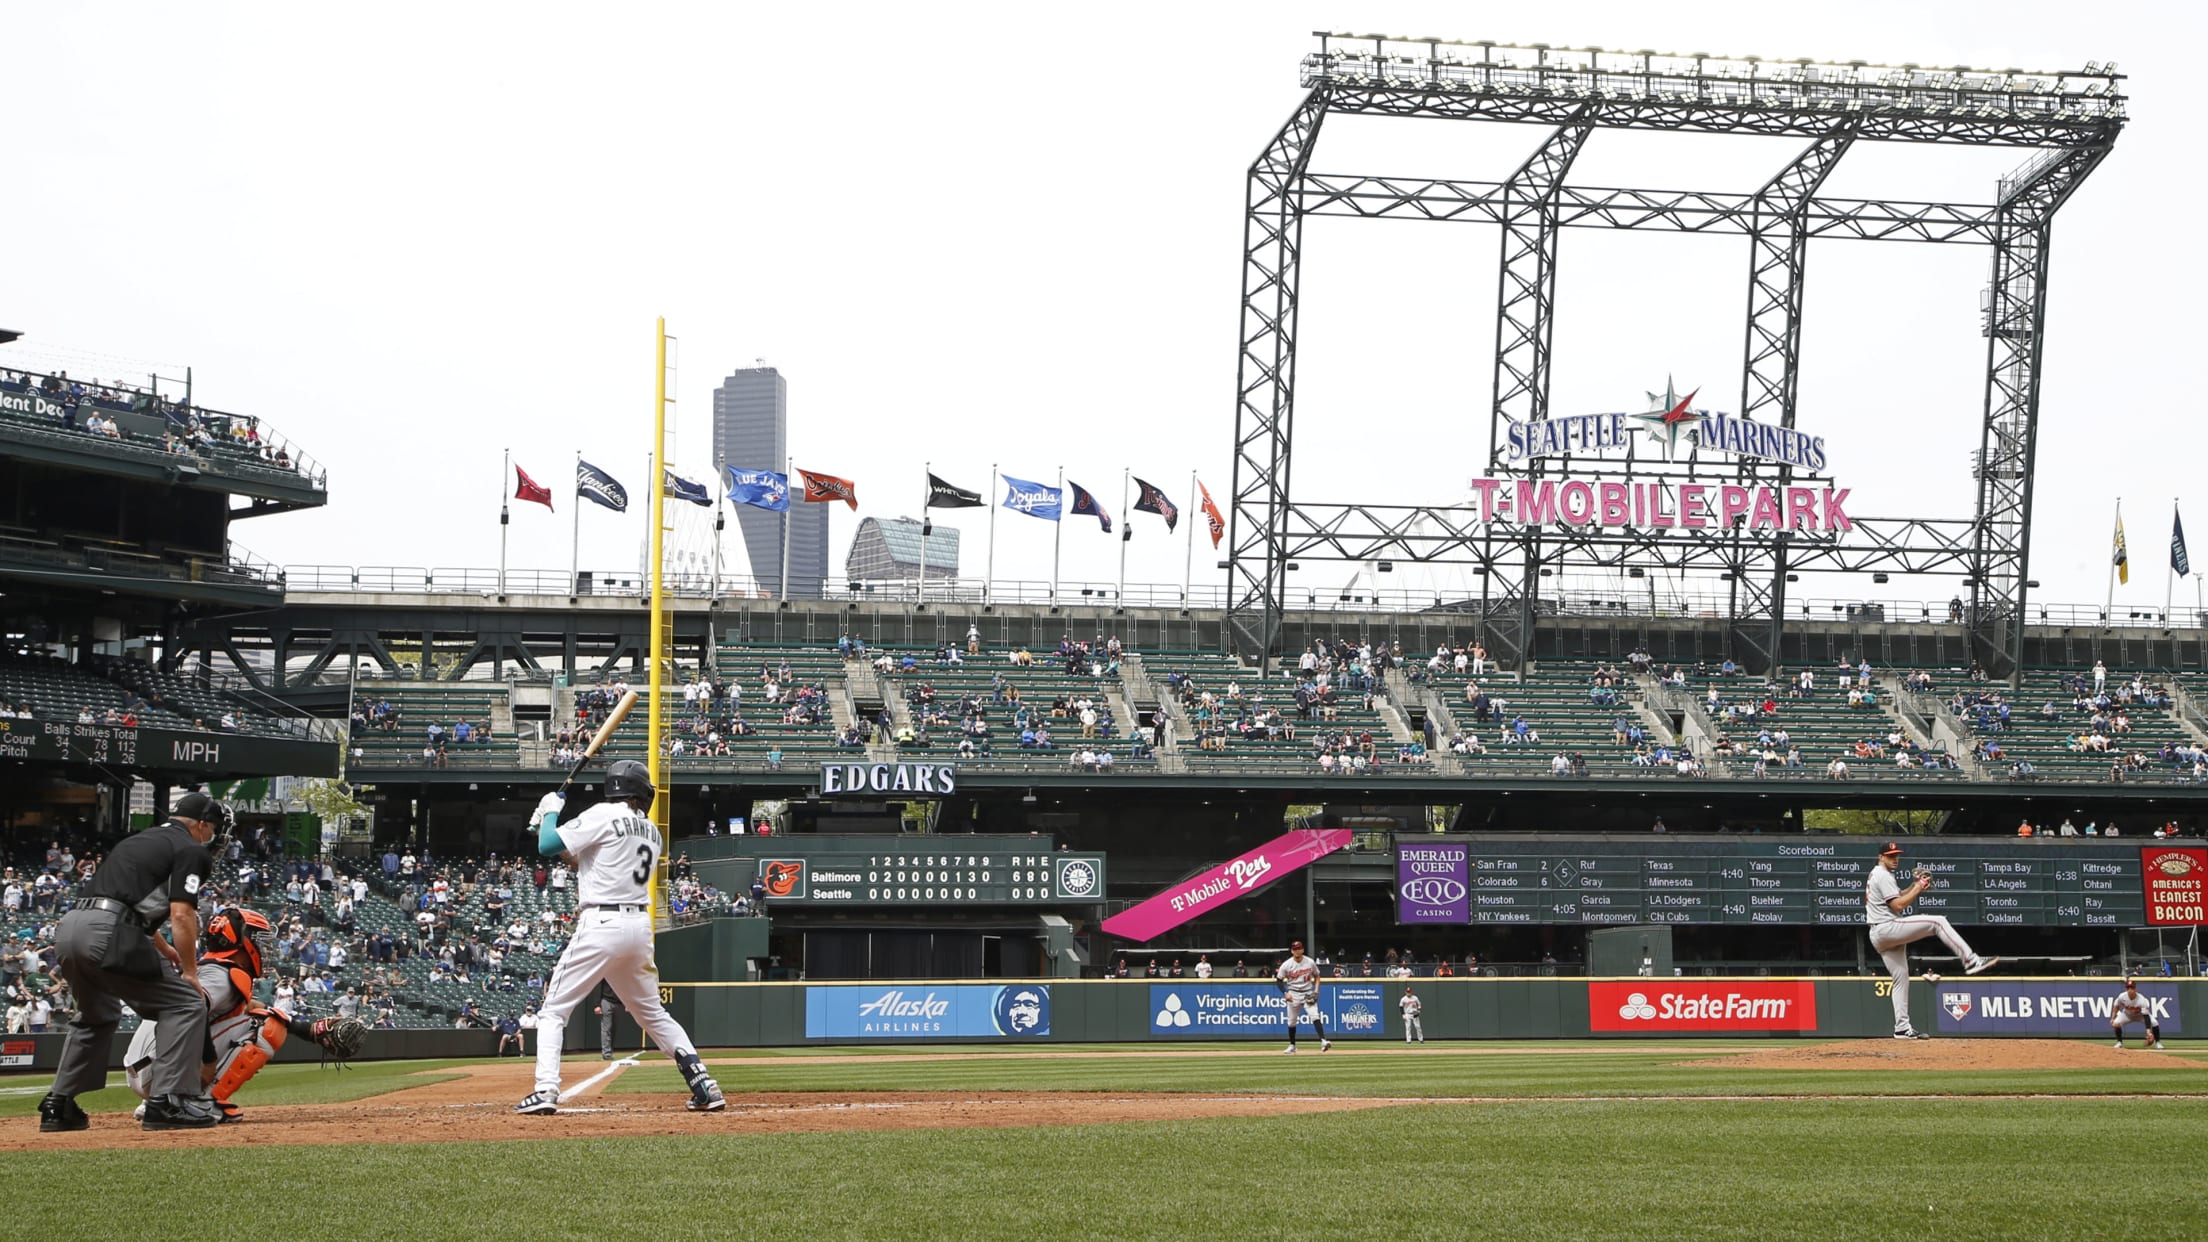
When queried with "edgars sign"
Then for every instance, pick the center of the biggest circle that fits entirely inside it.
(853, 779)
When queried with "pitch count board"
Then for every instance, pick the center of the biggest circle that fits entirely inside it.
(1765, 880)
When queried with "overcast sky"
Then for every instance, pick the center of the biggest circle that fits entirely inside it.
(412, 236)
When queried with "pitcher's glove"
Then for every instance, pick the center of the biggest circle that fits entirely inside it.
(340, 1038)
(1924, 873)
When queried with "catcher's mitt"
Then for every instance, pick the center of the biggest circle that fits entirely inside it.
(339, 1038)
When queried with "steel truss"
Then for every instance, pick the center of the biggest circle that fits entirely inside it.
(2076, 116)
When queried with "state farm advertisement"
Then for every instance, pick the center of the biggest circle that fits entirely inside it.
(1669, 1006)
(2177, 885)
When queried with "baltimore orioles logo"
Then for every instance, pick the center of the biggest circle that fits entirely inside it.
(783, 877)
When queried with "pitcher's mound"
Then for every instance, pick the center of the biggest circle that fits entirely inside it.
(1954, 1054)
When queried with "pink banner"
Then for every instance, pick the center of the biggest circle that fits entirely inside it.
(1226, 882)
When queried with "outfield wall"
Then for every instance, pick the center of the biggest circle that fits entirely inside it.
(1043, 1011)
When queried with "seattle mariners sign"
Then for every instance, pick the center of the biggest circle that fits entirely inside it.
(1668, 422)
(862, 779)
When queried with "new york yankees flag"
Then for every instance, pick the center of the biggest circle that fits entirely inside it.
(591, 483)
(942, 495)
(1154, 501)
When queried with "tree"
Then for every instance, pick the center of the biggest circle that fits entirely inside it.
(1875, 822)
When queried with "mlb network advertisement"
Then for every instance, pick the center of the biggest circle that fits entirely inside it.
(1634, 1006)
(2081, 1007)
(1258, 1010)
(903, 1011)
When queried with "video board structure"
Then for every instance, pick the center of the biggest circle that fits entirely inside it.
(2070, 119)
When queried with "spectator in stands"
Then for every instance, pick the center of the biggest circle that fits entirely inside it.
(1837, 769)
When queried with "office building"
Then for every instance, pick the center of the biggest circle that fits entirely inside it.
(751, 431)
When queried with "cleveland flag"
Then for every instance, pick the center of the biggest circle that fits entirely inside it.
(2123, 556)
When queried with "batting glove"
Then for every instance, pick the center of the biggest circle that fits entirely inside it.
(549, 804)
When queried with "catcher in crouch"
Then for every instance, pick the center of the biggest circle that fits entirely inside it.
(241, 1036)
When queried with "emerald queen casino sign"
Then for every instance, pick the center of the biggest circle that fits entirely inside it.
(1658, 505)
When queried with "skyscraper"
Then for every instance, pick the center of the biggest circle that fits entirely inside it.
(751, 431)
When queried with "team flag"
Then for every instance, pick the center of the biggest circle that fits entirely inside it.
(1211, 514)
(2123, 557)
(2180, 564)
(526, 488)
(591, 483)
(761, 489)
(679, 488)
(1033, 499)
(1085, 504)
(943, 495)
(1154, 501)
(826, 487)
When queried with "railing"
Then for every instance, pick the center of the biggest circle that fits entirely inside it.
(242, 568)
(1618, 604)
(191, 432)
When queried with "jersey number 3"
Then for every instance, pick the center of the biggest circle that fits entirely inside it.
(643, 870)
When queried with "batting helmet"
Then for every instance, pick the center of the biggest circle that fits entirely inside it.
(240, 937)
(629, 779)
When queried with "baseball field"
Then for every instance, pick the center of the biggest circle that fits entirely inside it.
(1866, 1139)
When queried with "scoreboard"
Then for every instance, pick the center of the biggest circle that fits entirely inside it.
(1777, 880)
(938, 877)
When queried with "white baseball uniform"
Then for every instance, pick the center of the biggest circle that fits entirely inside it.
(1892, 934)
(1299, 976)
(1412, 1026)
(616, 850)
(2131, 1007)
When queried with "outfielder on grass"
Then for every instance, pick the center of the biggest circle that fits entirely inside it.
(1893, 931)
(614, 848)
(1298, 981)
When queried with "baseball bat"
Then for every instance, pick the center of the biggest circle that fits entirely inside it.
(604, 734)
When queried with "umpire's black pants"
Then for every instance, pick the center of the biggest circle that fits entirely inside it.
(108, 961)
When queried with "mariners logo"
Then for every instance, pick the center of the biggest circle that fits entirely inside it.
(1023, 1011)
(1957, 1004)
(1076, 877)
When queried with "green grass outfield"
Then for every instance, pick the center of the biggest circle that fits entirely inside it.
(1614, 1142)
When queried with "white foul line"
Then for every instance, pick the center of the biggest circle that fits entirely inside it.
(600, 1076)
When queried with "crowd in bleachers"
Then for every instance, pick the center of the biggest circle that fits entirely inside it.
(88, 408)
(121, 693)
(2084, 720)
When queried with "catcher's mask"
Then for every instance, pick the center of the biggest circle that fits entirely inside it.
(240, 937)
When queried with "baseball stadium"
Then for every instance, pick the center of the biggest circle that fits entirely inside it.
(1693, 818)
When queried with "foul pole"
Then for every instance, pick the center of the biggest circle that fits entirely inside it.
(655, 681)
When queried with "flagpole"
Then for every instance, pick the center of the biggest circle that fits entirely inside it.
(1188, 562)
(1125, 532)
(1058, 541)
(789, 502)
(575, 548)
(2108, 609)
(928, 494)
(505, 475)
(989, 564)
(720, 520)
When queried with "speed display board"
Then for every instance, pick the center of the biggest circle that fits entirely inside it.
(1778, 880)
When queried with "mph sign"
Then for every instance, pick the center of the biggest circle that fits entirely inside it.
(1633, 1006)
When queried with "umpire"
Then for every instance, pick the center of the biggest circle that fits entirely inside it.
(111, 951)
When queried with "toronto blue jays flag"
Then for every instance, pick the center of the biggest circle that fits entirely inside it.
(1033, 499)
(591, 483)
(1154, 501)
(1085, 504)
(761, 489)
(679, 488)
(2180, 564)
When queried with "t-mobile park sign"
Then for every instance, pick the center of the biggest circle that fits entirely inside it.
(1661, 506)
(1230, 880)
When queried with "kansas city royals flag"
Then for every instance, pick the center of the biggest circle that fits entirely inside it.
(591, 483)
(1033, 499)
(761, 489)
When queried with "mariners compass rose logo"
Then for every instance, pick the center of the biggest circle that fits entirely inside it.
(1668, 420)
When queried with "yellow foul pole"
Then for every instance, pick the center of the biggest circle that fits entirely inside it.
(662, 804)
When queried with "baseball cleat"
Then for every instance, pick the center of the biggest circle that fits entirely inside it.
(1288, 1051)
(1910, 1033)
(1981, 965)
(2156, 1045)
(2119, 1043)
(605, 1056)
(539, 1104)
(706, 1097)
(1325, 1044)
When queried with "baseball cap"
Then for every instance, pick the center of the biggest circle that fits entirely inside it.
(195, 805)
(1297, 946)
(1892, 848)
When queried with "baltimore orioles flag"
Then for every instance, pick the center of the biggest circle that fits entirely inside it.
(826, 487)
(1211, 514)
(526, 488)
(1154, 501)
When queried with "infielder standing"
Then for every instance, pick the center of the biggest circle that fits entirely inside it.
(614, 847)
(1411, 1007)
(1892, 931)
(1298, 979)
(2132, 1007)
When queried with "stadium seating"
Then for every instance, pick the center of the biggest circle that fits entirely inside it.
(2060, 745)
(1049, 690)
(391, 720)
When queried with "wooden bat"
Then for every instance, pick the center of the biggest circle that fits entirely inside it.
(604, 734)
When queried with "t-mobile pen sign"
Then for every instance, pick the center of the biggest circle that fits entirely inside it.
(1229, 880)
(1433, 883)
